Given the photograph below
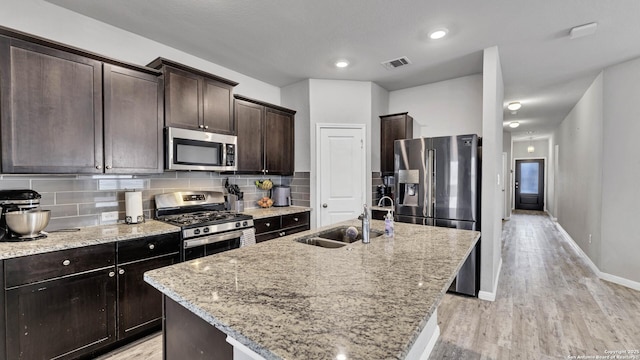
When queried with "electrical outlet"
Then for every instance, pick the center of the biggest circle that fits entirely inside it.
(589, 238)
(109, 216)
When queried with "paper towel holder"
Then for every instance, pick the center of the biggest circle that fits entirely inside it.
(133, 208)
(129, 220)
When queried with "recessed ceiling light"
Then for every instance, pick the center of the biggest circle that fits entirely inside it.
(514, 106)
(438, 34)
(514, 124)
(342, 63)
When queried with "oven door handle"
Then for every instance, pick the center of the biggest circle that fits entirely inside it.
(211, 239)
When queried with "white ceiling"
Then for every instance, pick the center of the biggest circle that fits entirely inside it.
(284, 41)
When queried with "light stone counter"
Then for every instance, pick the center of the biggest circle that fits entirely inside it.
(260, 213)
(287, 300)
(91, 235)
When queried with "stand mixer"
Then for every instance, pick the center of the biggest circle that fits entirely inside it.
(16, 200)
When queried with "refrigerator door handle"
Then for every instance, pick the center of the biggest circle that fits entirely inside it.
(431, 155)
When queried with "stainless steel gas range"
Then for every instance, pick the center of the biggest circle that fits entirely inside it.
(207, 227)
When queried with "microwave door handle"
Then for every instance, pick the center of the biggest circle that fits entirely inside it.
(211, 239)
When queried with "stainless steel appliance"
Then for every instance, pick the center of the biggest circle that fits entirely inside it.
(199, 150)
(17, 201)
(207, 228)
(281, 196)
(437, 183)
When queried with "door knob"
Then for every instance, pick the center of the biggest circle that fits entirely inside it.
(325, 205)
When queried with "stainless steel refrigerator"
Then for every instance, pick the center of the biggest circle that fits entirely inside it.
(437, 183)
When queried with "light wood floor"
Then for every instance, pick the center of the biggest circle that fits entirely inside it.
(549, 305)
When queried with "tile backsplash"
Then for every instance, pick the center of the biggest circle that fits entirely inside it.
(79, 200)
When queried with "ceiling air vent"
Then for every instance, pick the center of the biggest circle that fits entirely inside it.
(396, 63)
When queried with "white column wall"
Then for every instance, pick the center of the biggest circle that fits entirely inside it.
(492, 115)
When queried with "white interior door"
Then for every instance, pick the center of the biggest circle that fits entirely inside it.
(341, 172)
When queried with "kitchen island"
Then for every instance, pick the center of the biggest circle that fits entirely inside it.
(282, 299)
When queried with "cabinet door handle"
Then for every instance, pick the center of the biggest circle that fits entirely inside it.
(66, 262)
(206, 126)
(282, 233)
(295, 219)
(120, 271)
(267, 224)
(112, 273)
(324, 205)
(98, 167)
(201, 126)
(151, 246)
(108, 167)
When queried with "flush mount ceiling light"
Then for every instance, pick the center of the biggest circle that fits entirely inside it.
(438, 33)
(514, 124)
(342, 64)
(514, 106)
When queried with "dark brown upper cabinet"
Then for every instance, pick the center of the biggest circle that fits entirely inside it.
(195, 99)
(51, 103)
(133, 121)
(64, 110)
(392, 127)
(266, 137)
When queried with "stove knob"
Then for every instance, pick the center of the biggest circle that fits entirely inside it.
(244, 223)
(196, 231)
(238, 224)
(205, 230)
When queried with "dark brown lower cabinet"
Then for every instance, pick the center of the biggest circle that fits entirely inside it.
(61, 318)
(279, 226)
(187, 336)
(139, 304)
(79, 302)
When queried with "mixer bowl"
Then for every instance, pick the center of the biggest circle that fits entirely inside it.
(28, 223)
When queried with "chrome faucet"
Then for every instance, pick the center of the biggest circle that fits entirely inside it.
(385, 197)
(366, 227)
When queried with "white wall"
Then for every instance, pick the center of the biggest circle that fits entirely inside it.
(579, 184)
(492, 116)
(621, 171)
(342, 102)
(296, 96)
(451, 107)
(379, 106)
(541, 151)
(46, 20)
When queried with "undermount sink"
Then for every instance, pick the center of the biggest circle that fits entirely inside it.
(339, 234)
(335, 238)
(321, 242)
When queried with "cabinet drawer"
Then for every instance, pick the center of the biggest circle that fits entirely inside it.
(267, 224)
(267, 236)
(148, 247)
(33, 268)
(297, 219)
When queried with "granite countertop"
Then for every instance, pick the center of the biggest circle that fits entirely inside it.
(288, 300)
(259, 213)
(91, 235)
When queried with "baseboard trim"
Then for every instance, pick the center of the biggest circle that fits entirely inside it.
(602, 275)
(620, 281)
(578, 249)
(491, 296)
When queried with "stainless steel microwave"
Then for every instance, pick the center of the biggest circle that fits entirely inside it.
(199, 150)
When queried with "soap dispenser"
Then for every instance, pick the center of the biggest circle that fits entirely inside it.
(388, 224)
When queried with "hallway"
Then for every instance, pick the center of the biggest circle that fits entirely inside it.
(549, 304)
